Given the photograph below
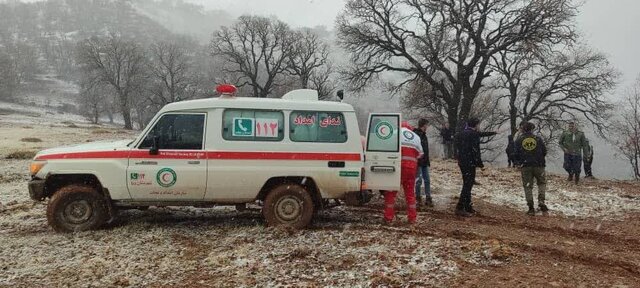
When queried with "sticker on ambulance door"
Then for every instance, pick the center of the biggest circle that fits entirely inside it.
(267, 128)
(243, 127)
(384, 130)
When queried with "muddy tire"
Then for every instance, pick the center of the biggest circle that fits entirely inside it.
(77, 208)
(288, 205)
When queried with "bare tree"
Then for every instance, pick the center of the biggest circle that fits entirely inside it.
(92, 98)
(255, 50)
(7, 76)
(171, 72)
(447, 43)
(549, 88)
(118, 63)
(420, 102)
(309, 54)
(626, 129)
(322, 81)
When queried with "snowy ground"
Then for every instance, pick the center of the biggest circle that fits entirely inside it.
(503, 186)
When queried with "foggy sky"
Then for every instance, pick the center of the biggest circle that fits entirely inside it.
(610, 26)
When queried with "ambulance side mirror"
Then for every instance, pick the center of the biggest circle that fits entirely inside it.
(154, 147)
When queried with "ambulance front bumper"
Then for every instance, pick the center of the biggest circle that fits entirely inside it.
(36, 189)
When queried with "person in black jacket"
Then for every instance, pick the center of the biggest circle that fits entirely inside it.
(423, 165)
(531, 153)
(469, 158)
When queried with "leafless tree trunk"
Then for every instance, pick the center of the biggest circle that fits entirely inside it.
(255, 50)
(447, 43)
(171, 74)
(7, 77)
(92, 97)
(626, 129)
(310, 54)
(118, 63)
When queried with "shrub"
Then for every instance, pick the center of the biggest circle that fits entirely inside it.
(21, 155)
(31, 139)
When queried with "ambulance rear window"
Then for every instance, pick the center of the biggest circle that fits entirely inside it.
(316, 126)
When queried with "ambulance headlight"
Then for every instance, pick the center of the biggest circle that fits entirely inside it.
(36, 166)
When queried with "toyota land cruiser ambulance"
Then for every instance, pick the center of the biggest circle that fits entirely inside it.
(292, 155)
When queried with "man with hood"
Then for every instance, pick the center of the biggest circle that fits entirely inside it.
(469, 158)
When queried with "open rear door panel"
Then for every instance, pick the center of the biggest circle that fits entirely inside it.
(382, 153)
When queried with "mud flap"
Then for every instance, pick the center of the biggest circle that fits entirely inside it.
(357, 198)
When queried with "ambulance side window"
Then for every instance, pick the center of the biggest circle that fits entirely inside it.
(314, 126)
(177, 132)
(252, 125)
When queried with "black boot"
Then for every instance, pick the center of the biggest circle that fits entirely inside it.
(460, 211)
(570, 178)
(543, 208)
(577, 178)
(428, 202)
(470, 209)
(532, 211)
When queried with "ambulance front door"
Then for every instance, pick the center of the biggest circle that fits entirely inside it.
(170, 163)
(382, 152)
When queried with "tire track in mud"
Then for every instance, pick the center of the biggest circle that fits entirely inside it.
(584, 249)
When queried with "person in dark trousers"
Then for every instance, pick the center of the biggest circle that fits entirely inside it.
(574, 144)
(531, 152)
(469, 158)
(447, 141)
(511, 152)
(588, 160)
(423, 165)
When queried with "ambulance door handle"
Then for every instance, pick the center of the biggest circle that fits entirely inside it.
(147, 163)
(392, 157)
(194, 162)
(336, 164)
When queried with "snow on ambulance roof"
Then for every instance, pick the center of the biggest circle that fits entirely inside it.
(257, 103)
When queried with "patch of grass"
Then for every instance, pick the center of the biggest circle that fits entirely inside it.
(31, 139)
(69, 124)
(21, 155)
(101, 131)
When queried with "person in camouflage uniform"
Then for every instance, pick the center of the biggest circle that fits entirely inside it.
(574, 144)
(531, 152)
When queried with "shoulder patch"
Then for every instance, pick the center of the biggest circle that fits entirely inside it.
(408, 135)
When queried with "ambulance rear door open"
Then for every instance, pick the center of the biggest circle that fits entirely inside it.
(382, 152)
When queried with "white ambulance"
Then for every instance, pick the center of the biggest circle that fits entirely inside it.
(291, 155)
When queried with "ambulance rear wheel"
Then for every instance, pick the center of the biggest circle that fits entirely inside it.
(288, 205)
(77, 208)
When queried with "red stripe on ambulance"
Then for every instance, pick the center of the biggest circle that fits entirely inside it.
(221, 155)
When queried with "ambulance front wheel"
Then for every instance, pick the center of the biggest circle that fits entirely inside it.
(288, 205)
(77, 208)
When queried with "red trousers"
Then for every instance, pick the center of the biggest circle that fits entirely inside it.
(408, 181)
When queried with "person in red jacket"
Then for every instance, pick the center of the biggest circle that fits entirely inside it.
(411, 151)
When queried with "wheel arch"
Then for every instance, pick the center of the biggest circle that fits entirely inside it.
(307, 182)
(54, 182)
